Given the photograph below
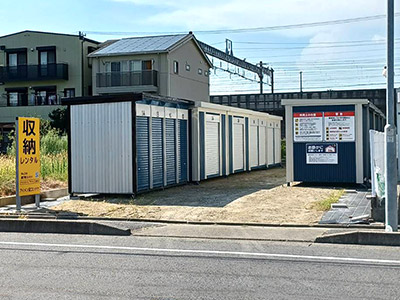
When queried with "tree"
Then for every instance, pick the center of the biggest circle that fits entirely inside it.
(58, 119)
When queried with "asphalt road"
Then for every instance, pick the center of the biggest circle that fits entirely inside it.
(47, 266)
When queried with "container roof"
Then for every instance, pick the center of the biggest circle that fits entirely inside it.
(138, 45)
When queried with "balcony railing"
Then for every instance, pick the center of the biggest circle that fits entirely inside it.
(111, 79)
(34, 72)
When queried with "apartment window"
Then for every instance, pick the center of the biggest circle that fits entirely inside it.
(17, 97)
(47, 55)
(69, 93)
(187, 67)
(46, 95)
(206, 73)
(176, 67)
(200, 71)
(13, 99)
(16, 57)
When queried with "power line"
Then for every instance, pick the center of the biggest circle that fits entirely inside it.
(253, 29)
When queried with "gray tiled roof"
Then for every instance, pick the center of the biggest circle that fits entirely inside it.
(140, 45)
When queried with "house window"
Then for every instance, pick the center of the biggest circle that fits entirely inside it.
(69, 93)
(206, 73)
(176, 67)
(187, 67)
(200, 71)
(147, 65)
(135, 65)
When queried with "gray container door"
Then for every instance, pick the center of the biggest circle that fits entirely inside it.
(142, 150)
(183, 151)
(238, 144)
(170, 148)
(277, 145)
(212, 145)
(270, 146)
(262, 155)
(157, 152)
(253, 146)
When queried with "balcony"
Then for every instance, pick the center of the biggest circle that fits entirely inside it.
(34, 73)
(127, 79)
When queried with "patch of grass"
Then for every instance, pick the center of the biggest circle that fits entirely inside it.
(325, 204)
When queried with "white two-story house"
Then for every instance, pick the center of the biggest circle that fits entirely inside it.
(168, 65)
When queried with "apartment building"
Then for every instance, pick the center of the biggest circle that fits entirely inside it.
(37, 69)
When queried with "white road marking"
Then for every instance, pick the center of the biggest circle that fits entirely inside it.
(219, 252)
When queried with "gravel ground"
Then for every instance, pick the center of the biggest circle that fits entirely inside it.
(258, 196)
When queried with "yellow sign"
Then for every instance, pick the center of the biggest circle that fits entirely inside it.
(28, 156)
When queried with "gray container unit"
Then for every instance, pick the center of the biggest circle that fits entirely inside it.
(228, 140)
(127, 144)
(328, 140)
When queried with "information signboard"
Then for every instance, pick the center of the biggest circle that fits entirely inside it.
(322, 154)
(28, 156)
(308, 127)
(339, 126)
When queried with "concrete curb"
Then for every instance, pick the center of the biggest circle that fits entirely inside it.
(57, 226)
(55, 193)
(362, 238)
(66, 217)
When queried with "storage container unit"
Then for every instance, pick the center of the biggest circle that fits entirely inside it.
(228, 140)
(328, 140)
(127, 144)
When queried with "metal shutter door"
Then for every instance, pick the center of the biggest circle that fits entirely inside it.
(157, 152)
(253, 146)
(183, 152)
(270, 146)
(238, 147)
(142, 150)
(170, 147)
(212, 148)
(262, 146)
(277, 145)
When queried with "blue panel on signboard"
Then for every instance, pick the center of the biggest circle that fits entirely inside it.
(328, 167)
(170, 148)
(183, 143)
(142, 146)
(157, 152)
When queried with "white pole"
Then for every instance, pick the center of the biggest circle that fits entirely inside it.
(391, 220)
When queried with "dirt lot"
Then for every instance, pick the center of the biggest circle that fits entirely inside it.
(259, 196)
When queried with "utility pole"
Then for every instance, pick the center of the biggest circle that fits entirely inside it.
(391, 213)
(261, 77)
(301, 81)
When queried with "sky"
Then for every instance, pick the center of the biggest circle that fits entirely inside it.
(335, 56)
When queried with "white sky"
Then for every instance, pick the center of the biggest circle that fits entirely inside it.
(320, 52)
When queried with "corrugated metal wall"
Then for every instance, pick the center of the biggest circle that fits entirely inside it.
(101, 148)
(170, 149)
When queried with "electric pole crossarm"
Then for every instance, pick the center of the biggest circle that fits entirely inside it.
(234, 60)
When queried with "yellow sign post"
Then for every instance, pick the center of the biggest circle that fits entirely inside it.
(28, 158)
